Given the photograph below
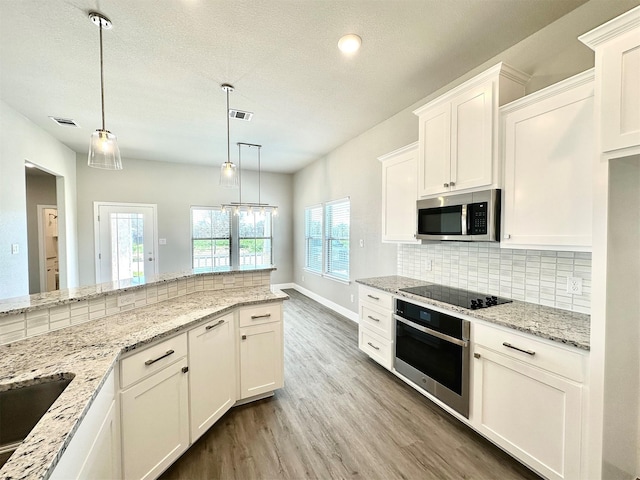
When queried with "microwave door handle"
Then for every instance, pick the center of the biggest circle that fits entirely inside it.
(463, 220)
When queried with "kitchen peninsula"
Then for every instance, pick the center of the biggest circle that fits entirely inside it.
(168, 309)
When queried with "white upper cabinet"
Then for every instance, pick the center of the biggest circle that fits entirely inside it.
(617, 47)
(548, 148)
(399, 194)
(458, 133)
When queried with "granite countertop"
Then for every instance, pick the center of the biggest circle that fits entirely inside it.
(561, 326)
(60, 297)
(87, 353)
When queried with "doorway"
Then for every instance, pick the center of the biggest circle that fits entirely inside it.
(126, 241)
(42, 230)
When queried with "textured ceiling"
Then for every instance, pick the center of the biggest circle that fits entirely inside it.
(165, 61)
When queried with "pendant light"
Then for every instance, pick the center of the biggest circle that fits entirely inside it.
(103, 148)
(228, 170)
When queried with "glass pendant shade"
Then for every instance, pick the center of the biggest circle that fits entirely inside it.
(228, 175)
(103, 151)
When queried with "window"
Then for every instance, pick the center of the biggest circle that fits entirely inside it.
(210, 238)
(327, 239)
(222, 240)
(255, 239)
(313, 238)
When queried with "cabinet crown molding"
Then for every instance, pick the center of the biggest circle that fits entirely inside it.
(583, 78)
(613, 28)
(398, 151)
(499, 70)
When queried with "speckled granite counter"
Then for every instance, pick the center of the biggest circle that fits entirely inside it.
(562, 326)
(88, 352)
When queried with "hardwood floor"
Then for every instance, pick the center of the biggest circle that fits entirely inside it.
(339, 415)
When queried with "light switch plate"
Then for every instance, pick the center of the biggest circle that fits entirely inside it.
(162, 241)
(15, 249)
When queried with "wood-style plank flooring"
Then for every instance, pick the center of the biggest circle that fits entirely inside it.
(339, 415)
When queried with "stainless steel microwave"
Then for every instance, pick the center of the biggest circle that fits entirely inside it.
(470, 217)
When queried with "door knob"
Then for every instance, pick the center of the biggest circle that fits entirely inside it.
(151, 259)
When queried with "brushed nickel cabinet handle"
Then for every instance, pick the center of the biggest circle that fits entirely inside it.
(371, 296)
(209, 327)
(373, 318)
(372, 345)
(151, 362)
(266, 315)
(528, 352)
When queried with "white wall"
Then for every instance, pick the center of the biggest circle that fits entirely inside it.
(550, 55)
(21, 140)
(175, 188)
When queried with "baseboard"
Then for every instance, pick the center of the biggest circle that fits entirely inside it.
(345, 312)
(281, 286)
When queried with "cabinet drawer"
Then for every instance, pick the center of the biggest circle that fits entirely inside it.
(376, 297)
(376, 347)
(265, 313)
(377, 320)
(529, 350)
(142, 364)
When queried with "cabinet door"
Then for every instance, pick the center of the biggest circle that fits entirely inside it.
(261, 359)
(472, 138)
(620, 76)
(434, 157)
(548, 172)
(212, 373)
(155, 422)
(399, 196)
(533, 414)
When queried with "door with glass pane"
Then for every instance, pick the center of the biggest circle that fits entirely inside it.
(126, 240)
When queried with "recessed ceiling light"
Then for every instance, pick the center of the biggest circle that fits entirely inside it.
(350, 43)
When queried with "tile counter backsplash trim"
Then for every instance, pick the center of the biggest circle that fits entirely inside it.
(15, 327)
(535, 276)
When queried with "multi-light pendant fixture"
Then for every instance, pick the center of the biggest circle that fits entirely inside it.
(251, 207)
(103, 149)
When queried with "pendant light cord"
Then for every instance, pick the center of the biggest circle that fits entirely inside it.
(101, 76)
(239, 168)
(259, 199)
(228, 137)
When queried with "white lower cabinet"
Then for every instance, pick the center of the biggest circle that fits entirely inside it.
(526, 407)
(212, 373)
(155, 419)
(376, 330)
(261, 350)
(94, 451)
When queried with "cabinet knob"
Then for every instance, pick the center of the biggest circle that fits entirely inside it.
(476, 355)
(446, 185)
(244, 337)
(453, 184)
(185, 369)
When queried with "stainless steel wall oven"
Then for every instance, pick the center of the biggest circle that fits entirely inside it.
(433, 351)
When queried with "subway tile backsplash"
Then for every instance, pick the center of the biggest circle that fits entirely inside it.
(42, 320)
(536, 276)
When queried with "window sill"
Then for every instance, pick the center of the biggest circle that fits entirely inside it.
(327, 276)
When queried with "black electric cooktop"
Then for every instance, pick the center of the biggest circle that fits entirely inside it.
(456, 296)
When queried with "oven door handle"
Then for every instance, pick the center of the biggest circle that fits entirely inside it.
(428, 331)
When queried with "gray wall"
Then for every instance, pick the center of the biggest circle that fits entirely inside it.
(550, 55)
(175, 188)
(41, 190)
(21, 140)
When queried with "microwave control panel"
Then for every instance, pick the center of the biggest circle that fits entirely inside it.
(478, 216)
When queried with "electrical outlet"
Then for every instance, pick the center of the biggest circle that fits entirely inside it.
(162, 241)
(429, 265)
(125, 299)
(15, 249)
(352, 298)
(361, 242)
(574, 285)
(303, 278)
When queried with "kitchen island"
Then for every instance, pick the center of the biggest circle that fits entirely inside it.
(88, 352)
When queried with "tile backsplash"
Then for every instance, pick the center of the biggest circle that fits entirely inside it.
(15, 327)
(536, 276)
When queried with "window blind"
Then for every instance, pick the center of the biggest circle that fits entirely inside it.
(337, 218)
(313, 238)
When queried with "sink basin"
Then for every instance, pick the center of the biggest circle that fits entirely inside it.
(20, 410)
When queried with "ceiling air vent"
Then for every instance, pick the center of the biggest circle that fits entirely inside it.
(240, 115)
(65, 122)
